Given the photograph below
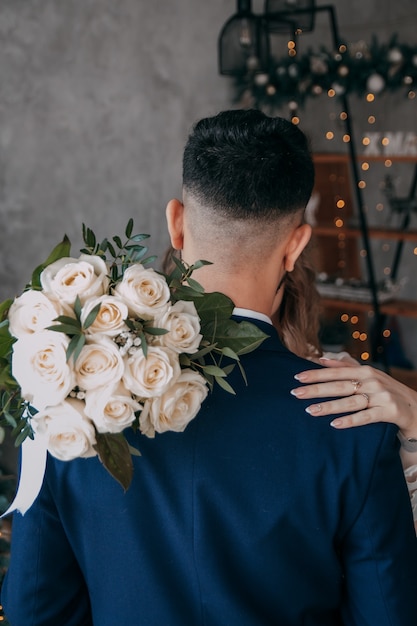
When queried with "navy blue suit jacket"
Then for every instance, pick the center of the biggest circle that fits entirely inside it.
(257, 515)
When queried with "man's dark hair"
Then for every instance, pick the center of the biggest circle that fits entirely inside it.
(248, 165)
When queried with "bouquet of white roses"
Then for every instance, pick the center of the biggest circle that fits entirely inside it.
(100, 343)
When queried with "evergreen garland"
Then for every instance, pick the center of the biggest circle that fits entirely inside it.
(352, 69)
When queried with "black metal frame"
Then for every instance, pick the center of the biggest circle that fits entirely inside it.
(377, 344)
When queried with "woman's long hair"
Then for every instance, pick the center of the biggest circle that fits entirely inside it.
(297, 318)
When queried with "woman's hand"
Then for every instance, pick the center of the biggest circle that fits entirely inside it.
(367, 394)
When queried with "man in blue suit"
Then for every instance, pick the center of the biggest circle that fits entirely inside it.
(257, 514)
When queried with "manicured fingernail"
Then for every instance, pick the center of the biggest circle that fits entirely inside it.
(336, 423)
(298, 393)
(300, 377)
(314, 409)
(324, 358)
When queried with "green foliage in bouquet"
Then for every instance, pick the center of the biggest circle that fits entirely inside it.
(223, 339)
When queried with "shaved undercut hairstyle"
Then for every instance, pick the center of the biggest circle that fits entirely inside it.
(244, 165)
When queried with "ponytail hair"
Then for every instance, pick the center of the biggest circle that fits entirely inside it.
(297, 318)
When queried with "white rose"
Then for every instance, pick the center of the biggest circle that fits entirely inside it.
(111, 409)
(111, 317)
(39, 364)
(32, 312)
(98, 364)
(176, 407)
(70, 434)
(151, 376)
(145, 292)
(183, 324)
(68, 278)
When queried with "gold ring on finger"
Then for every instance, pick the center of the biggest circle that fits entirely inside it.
(365, 395)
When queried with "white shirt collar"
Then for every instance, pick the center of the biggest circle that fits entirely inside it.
(256, 315)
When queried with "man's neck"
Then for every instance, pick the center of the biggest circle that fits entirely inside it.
(246, 291)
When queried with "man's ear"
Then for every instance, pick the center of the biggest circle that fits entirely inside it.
(175, 221)
(296, 244)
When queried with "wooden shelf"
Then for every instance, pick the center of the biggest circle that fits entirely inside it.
(377, 233)
(406, 308)
(330, 157)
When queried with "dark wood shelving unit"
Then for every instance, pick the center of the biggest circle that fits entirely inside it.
(337, 235)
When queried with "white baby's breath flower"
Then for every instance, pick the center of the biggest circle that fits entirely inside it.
(111, 317)
(183, 326)
(32, 312)
(98, 364)
(111, 409)
(145, 292)
(69, 433)
(40, 366)
(68, 278)
(176, 407)
(151, 376)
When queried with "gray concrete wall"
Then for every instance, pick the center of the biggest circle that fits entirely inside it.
(97, 98)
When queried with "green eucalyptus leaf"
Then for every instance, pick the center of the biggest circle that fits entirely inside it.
(144, 344)
(195, 285)
(225, 385)
(129, 228)
(24, 434)
(242, 371)
(180, 265)
(156, 331)
(65, 319)
(187, 293)
(92, 316)
(134, 451)
(77, 307)
(89, 236)
(111, 249)
(113, 451)
(149, 260)
(75, 346)
(138, 238)
(200, 263)
(227, 351)
(214, 370)
(200, 353)
(103, 247)
(67, 329)
(118, 241)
